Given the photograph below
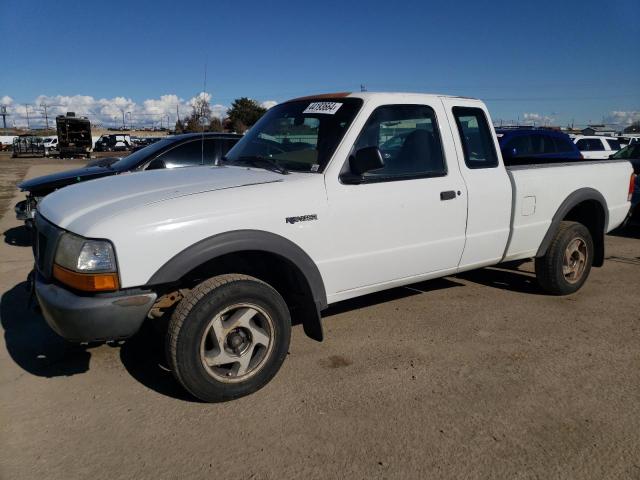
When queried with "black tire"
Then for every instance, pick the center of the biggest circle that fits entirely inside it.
(190, 328)
(549, 268)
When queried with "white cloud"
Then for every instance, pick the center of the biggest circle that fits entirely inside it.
(108, 112)
(268, 104)
(623, 117)
(538, 119)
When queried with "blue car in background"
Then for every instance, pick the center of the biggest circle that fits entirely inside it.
(522, 145)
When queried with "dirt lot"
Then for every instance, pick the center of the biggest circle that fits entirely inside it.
(473, 376)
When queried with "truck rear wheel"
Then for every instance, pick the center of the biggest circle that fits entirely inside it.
(567, 263)
(228, 337)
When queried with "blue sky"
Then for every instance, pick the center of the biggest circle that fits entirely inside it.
(564, 60)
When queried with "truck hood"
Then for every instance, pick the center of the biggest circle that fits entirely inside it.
(108, 196)
(48, 183)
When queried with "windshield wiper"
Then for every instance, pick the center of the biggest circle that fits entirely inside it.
(259, 162)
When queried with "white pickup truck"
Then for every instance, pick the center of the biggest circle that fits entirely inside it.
(326, 198)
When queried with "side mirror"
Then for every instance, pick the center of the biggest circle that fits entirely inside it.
(365, 160)
(156, 164)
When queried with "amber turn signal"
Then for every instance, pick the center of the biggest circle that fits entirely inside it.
(87, 282)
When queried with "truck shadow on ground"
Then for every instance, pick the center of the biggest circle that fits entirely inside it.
(18, 236)
(36, 349)
(385, 296)
(39, 351)
(143, 357)
(631, 230)
(505, 277)
(32, 344)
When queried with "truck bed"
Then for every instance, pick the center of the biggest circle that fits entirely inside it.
(537, 196)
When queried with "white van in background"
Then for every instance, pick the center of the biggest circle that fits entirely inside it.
(50, 145)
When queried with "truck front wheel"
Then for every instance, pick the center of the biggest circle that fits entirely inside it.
(567, 263)
(228, 337)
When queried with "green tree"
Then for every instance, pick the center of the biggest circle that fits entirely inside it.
(179, 128)
(244, 112)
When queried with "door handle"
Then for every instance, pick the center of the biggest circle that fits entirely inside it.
(448, 195)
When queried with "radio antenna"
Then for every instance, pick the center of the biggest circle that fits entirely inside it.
(204, 90)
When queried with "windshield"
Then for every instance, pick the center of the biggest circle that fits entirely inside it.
(133, 160)
(298, 136)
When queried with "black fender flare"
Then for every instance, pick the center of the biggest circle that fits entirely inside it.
(248, 240)
(575, 198)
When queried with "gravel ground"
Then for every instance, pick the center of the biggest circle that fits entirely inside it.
(473, 376)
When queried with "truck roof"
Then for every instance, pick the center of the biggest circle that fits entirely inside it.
(368, 95)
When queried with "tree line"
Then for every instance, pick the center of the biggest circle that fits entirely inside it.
(244, 112)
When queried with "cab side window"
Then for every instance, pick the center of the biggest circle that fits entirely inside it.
(409, 140)
(476, 138)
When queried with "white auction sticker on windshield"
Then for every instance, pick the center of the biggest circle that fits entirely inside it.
(323, 107)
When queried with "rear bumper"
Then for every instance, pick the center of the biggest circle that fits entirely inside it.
(89, 318)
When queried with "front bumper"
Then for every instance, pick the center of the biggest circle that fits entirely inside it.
(88, 318)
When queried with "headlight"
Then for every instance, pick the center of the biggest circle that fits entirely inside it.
(84, 264)
(82, 255)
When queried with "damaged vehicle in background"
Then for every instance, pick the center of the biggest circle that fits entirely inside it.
(74, 136)
(113, 143)
(188, 150)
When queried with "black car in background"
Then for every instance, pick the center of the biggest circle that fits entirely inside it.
(113, 143)
(141, 142)
(188, 150)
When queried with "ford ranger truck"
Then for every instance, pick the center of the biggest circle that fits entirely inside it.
(326, 198)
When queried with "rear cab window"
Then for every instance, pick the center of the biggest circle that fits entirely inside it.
(475, 135)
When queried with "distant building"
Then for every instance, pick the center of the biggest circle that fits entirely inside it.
(599, 130)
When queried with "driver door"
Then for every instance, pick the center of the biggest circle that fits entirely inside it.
(406, 221)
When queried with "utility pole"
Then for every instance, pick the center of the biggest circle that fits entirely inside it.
(178, 111)
(3, 112)
(46, 117)
(123, 126)
(26, 109)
